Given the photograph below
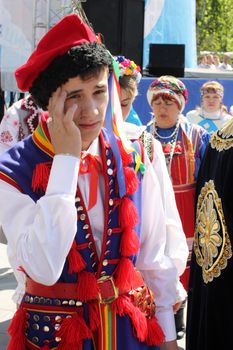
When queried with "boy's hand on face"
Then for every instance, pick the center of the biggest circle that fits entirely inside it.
(65, 135)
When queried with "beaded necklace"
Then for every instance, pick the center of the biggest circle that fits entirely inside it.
(172, 142)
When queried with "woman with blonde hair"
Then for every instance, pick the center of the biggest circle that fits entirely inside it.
(212, 113)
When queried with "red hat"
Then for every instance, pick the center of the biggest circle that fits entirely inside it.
(67, 33)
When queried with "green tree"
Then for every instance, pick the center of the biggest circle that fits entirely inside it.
(214, 25)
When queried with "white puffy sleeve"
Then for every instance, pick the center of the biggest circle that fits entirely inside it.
(40, 234)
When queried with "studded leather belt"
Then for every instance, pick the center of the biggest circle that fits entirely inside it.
(108, 292)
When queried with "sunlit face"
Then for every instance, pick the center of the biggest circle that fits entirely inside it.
(216, 60)
(211, 102)
(91, 97)
(126, 100)
(209, 59)
(166, 112)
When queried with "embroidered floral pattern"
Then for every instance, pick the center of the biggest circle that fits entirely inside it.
(6, 137)
(32, 119)
(167, 148)
(211, 242)
(209, 227)
(223, 139)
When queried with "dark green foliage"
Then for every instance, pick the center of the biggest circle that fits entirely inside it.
(214, 25)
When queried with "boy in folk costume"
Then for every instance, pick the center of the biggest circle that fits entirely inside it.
(79, 218)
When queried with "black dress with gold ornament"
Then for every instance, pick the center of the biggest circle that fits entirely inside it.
(210, 298)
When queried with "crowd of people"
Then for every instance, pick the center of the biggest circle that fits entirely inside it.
(212, 61)
(112, 227)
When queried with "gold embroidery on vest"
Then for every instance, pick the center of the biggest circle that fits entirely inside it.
(223, 138)
(211, 241)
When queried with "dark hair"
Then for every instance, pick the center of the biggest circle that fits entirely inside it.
(85, 60)
(165, 97)
(128, 83)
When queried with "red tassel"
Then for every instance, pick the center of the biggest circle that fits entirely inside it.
(125, 274)
(87, 287)
(131, 180)
(126, 157)
(129, 243)
(72, 332)
(75, 260)
(16, 330)
(128, 216)
(120, 303)
(138, 318)
(40, 176)
(94, 317)
(45, 347)
(155, 335)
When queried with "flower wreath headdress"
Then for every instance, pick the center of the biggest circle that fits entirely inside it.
(128, 68)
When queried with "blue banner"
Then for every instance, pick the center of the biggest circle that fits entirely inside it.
(171, 22)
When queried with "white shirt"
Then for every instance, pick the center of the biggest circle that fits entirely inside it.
(176, 245)
(40, 234)
(225, 66)
(201, 117)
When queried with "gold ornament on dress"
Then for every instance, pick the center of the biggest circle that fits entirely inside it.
(211, 241)
(223, 138)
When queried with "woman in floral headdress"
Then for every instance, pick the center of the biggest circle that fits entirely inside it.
(183, 146)
(129, 78)
(212, 114)
(175, 247)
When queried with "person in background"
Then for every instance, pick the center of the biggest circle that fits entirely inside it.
(183, 145)
(210, 303)
(210, 62)
(212, 113)
(77, 208)
(216, 61)
(202, 61)
(19, 121)
(226, 64)
(176, 246)
(130, 76)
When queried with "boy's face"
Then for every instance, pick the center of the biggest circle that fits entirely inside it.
(91, 97)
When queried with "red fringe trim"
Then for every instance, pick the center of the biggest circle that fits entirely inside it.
(75, 260)
(40, 177)
(138, 319)
(131, 180)
(128, 216)
(16, 330)
(129, 243)
(73, 346)
(72, 332)
(125, 274)
(87, 287)
(94, 317)
(155, 335)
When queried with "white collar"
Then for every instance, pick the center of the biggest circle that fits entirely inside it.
(94, 147)
(211, 115)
